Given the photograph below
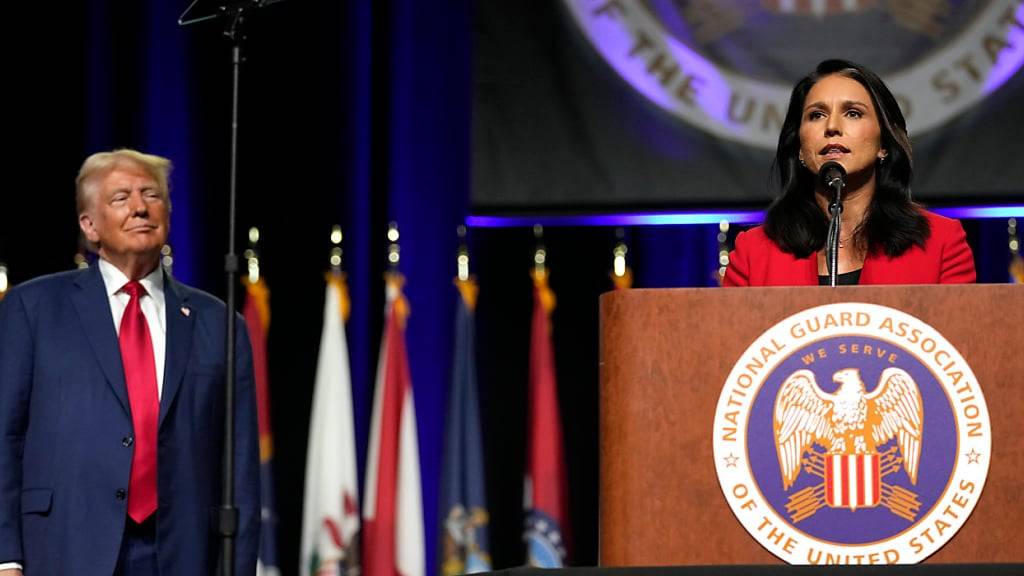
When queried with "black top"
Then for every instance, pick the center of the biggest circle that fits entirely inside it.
(851, 278)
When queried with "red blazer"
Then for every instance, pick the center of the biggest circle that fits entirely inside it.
(945, 259)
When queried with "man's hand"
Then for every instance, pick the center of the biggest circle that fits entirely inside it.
(11, 572)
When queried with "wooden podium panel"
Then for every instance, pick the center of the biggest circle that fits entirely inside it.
(665, 355)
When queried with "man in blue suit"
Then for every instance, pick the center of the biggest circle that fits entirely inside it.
(111, 401)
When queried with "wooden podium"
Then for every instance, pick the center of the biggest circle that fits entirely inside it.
(665, 355)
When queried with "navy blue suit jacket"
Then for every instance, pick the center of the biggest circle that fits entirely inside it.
(65, 425)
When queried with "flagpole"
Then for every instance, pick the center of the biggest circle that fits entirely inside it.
(545, 497)
(464, 541)
(393, 507)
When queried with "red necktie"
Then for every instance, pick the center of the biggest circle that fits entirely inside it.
(140, 376)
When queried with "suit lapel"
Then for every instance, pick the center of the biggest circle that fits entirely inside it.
(93, 307)
(179, 341)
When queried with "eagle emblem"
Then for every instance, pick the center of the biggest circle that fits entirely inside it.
(852, 426)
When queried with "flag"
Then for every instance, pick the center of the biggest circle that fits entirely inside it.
(256, 312)
(393, 509)
(464, 542)
(330, 511)
(544, 493)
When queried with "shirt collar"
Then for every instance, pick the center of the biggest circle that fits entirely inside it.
(114, 280)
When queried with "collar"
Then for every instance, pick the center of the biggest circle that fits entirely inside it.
(114, 280)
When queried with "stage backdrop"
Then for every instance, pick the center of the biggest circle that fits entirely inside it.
(604, 104)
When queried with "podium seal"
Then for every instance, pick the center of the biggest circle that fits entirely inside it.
(852, 434)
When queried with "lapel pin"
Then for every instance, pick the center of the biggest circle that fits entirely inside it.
(185, 311)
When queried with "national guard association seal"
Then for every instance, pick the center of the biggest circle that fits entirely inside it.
(852, 434)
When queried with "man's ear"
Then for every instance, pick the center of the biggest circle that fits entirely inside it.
(88, 227)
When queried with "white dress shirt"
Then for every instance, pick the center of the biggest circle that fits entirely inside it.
(153, 308)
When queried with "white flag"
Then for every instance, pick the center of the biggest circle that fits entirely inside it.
(330, 512)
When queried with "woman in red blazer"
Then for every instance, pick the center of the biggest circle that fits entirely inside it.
(844, 113)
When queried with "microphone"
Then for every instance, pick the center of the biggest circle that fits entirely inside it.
(832, 174)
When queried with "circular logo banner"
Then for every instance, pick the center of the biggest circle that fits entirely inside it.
(727, 67)
(852, 434)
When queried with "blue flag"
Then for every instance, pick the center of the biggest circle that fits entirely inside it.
(464, 502)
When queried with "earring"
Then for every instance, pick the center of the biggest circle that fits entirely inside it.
(802, 163)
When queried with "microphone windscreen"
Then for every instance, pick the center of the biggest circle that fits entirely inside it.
(830, 172)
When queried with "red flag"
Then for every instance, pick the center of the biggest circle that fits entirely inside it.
(545, 497)
(256, 312)
(393, 510)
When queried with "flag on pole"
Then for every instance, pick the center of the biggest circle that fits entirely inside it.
(464, 539)
(256, 312)
(330, 512)
(544, 493)
(393, 508)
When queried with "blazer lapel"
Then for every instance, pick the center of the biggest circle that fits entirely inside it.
(180, 322)
(93, 307)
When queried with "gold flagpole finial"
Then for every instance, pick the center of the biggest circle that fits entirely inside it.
(622, 275)
(167, 258)
(1016, 262)
(540, 271)
(256, 289)
(4, 281)
(465, 281)
(540, 254)
(336, 251)
(394, 250)
(723, 250)
(81, 260)
(462, 258)
(393, 279)
(336, 276)
(252, 256)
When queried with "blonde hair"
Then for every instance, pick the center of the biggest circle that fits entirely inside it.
(102, 163)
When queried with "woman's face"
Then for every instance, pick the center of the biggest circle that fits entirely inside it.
(840, 123)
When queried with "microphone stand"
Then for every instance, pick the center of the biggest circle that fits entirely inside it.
(834, 226)
(233, 15)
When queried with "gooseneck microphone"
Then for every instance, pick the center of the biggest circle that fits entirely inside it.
(832, 176)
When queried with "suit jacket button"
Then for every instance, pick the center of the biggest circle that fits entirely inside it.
(127, 441)
(121, 494)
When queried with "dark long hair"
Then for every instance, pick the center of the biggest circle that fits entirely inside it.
(893, 222)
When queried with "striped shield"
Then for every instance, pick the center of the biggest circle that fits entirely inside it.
(852, 481)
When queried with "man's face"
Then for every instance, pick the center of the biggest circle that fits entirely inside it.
(127, 215)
